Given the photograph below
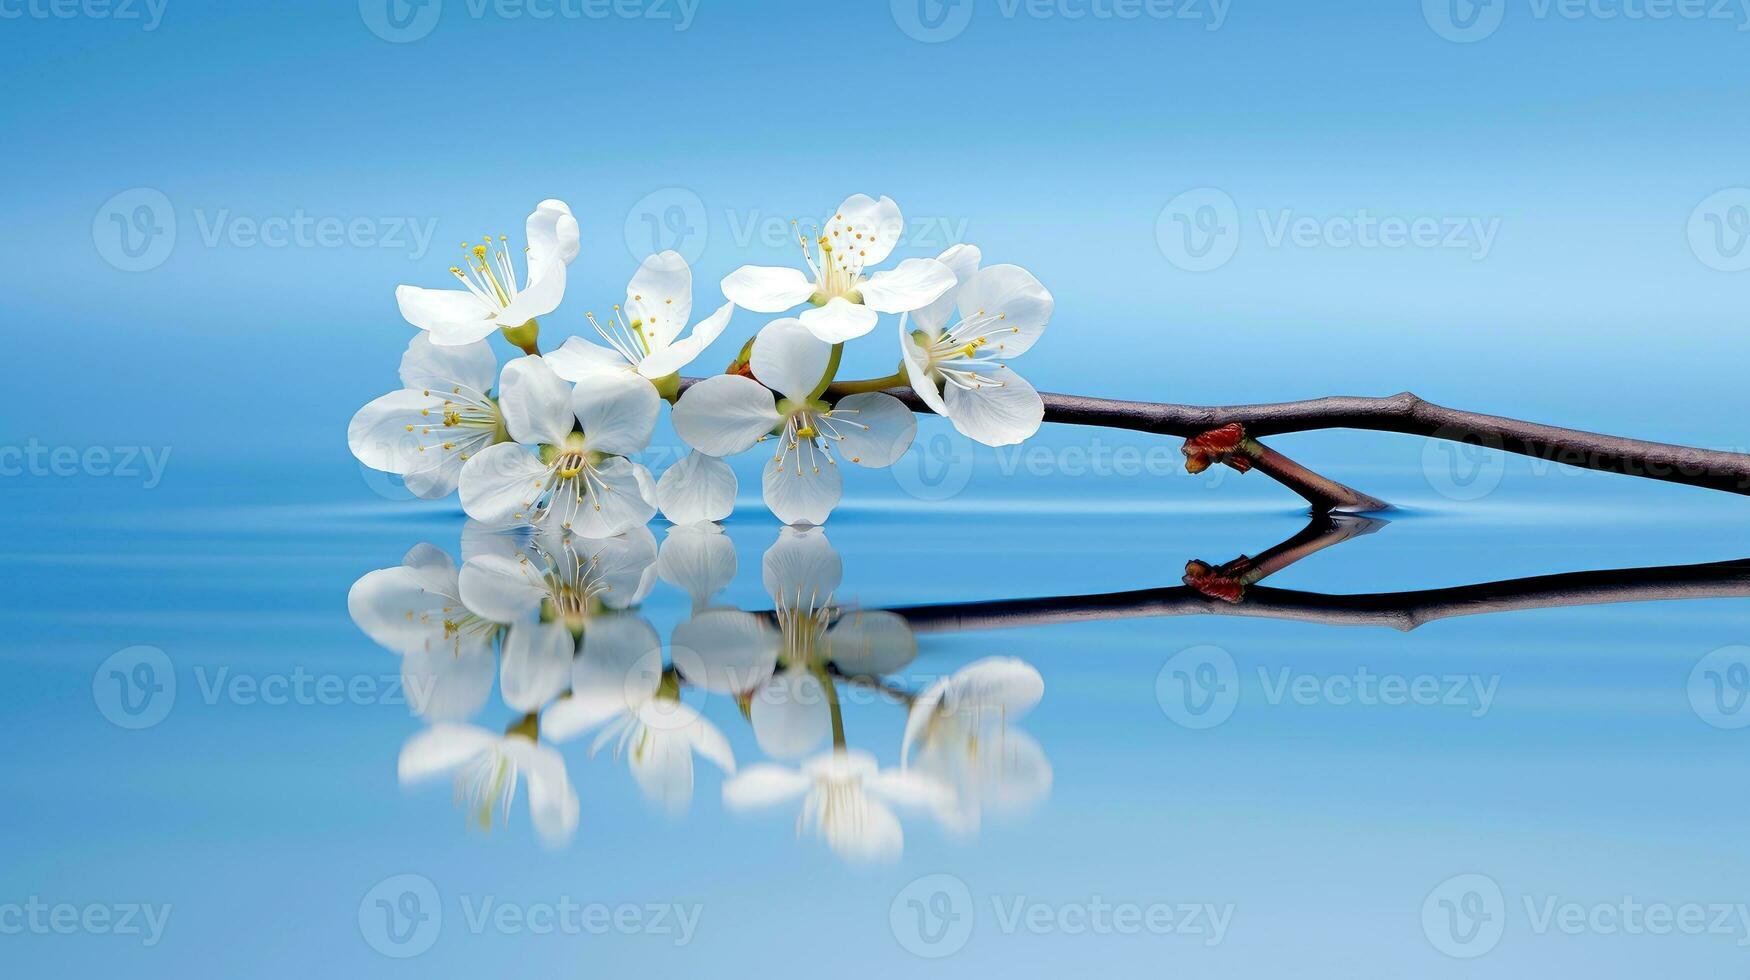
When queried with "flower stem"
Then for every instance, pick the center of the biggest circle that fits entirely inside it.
(895, 380)
(832, 703)
(832, 369)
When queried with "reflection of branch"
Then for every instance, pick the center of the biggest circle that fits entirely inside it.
(1399, 610)
(1230, 589)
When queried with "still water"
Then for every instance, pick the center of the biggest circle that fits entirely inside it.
(282, 730)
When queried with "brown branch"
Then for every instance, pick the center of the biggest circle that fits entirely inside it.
(1408, 414)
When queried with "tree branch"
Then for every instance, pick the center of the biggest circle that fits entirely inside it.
(1409, 414)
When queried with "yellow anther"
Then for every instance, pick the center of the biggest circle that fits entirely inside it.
(452, 419)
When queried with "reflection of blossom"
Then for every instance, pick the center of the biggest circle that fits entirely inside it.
(959, 728)
(845, 797)
(698, 559)
(547, 584)
(488, 768)
(415, 610)
(782, 661)
(619, 686)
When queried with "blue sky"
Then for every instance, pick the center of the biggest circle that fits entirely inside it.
(1561, 159)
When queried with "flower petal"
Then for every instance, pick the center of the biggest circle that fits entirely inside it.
(725, 414)
(698, 559)
(471, 367)
(698, 489)
(445, 685)
(801, 568)
(917, 371)
(552, 233)
(680, 353)
(874, 429)
(997, 414)
(501, 484)
(660, 296)
(872, 836)
(398, 612)
(536, 402)
(790, 715)
(789, 359)
(962, 260)
(1003, 687)
(615, 503)
(535, 666)
(763, 785)
(553, 242)
(617, 413)
(540, 296)
(803, 488)
(388, 433)
(578, 360)
(1014, 294)
(663, 767)
(726, 651)
(871, 643)
(454, 316)
(624, 565)
(502, 589)
(708, 740)
(910, 285)
(767, 289)
(866, 226)
(440, 749)
(838, 321)
(553, 804)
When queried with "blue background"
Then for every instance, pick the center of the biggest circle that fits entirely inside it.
(1055, 143)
